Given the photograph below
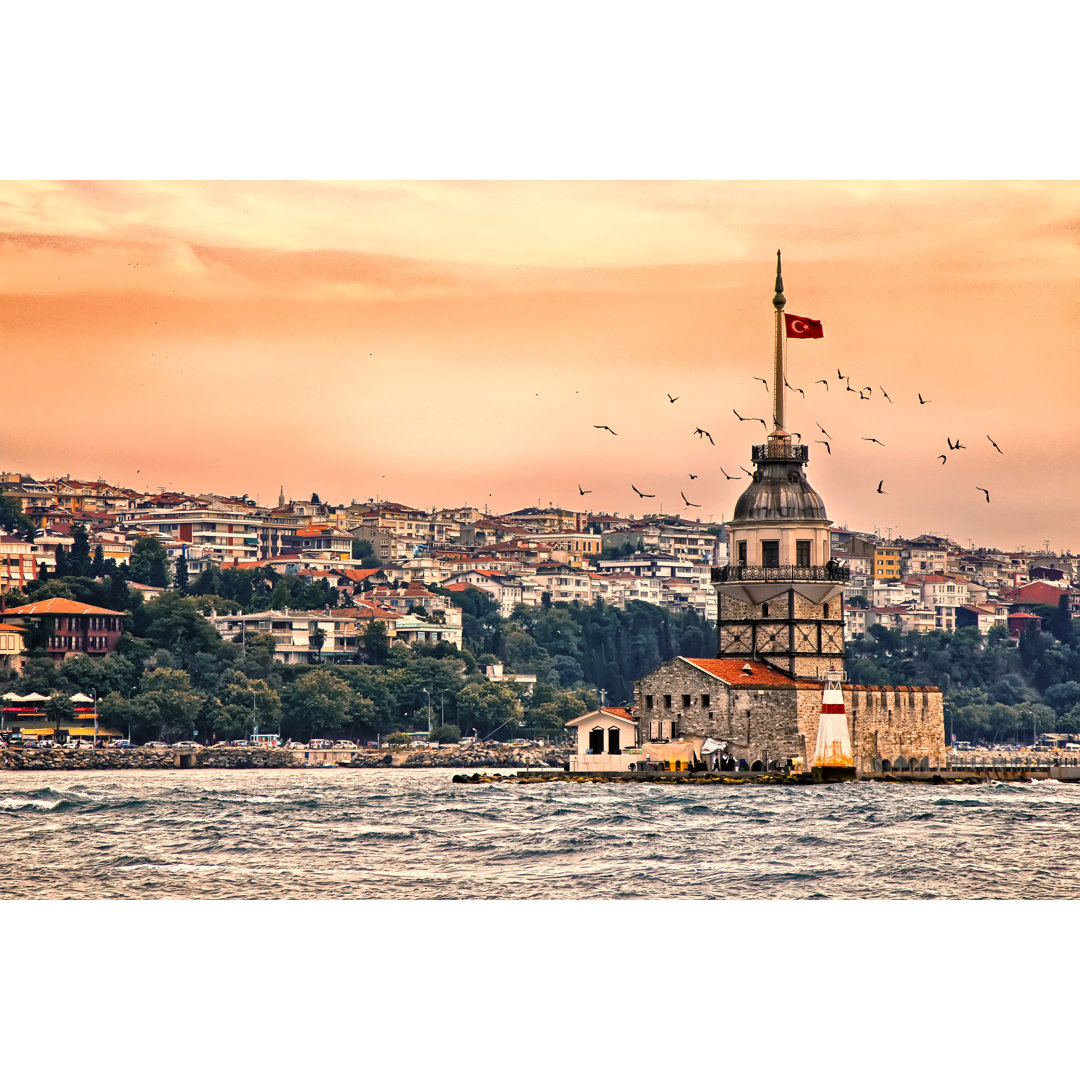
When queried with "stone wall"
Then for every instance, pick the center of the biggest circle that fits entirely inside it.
(782, 722)
(495, 756)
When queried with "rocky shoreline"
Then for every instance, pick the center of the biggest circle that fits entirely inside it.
(505, 757)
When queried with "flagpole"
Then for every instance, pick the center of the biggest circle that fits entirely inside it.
(778, 356)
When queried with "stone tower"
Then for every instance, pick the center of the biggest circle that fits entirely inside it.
(780, 598)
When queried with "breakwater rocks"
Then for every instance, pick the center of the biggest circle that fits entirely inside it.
(246, 757)
(454, 757)
(226, 758)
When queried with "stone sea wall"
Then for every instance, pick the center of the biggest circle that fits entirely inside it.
(509, 757)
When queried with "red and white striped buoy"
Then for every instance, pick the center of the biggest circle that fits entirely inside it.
(833, 742)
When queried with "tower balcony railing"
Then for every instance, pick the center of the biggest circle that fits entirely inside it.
(828, 572)
(779, 451)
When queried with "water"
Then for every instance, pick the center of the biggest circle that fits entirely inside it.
(404, 834)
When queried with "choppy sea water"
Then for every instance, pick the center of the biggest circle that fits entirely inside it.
(412, 834)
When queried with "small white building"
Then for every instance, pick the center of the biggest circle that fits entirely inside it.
(606, 741)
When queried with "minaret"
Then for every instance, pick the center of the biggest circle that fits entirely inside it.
(780, 598)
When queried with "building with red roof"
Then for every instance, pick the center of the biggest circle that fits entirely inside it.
(69, 628)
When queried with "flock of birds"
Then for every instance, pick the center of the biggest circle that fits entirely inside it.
(864, 393)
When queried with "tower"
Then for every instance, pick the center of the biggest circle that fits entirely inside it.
(780, 598)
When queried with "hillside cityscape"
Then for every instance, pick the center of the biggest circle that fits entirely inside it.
(179, 613)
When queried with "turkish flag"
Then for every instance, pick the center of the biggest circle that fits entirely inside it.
(799, 327)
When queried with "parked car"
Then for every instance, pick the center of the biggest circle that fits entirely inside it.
(46, 744)
(293, 745)
(320, 744)
(345, 744)
(119, 744)
(155, 746)
(187, 744)
(239, 742)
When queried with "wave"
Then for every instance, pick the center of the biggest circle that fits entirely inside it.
(49, 798)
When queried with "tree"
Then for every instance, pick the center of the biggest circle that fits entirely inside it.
(182, 575)
(317, 701)
(489, 707)
(376, 642)
(446, 733)
(166, 706)
(173, 622)
(13, 520)
(149, 562)
(80, 562)
(317, 639)
(97, 568)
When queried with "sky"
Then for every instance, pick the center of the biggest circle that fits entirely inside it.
(451, 343)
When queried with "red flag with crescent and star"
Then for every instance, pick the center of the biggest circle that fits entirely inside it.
(798, 327)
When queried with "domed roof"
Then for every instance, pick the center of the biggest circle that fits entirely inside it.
(779, 492)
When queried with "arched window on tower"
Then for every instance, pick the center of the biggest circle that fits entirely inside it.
(764, 609)
(825, 611)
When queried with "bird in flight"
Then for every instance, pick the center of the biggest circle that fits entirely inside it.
(701, 431)
(828, 449)
(870, 438)
(761, 380)
(995, 446)
(851, 389)
(642, 493)
(887, 398)
(823, 431)
(840, 374)
(943, 459)
(693, 476)
(757, 418)
(863, 397)
(746, 470)
(798, 435)
(923, 401)
(795, 388)
(582, 491)
(954, 445)
(726, 476)
(687, 501)
(881, 488)
(672, 399)
(984, 491)
(604, 427)
(824, 383)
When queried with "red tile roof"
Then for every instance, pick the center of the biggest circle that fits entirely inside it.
(58, 605)
(734, 672)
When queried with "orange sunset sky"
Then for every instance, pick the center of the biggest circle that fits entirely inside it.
(455, 343)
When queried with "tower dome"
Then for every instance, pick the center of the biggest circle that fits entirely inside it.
(779, 490)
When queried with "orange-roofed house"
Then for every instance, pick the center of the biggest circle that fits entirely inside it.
(69, 628)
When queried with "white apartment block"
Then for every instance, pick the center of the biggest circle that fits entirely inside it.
(229, 535)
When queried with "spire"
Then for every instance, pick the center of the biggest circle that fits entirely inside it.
(778, 359)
